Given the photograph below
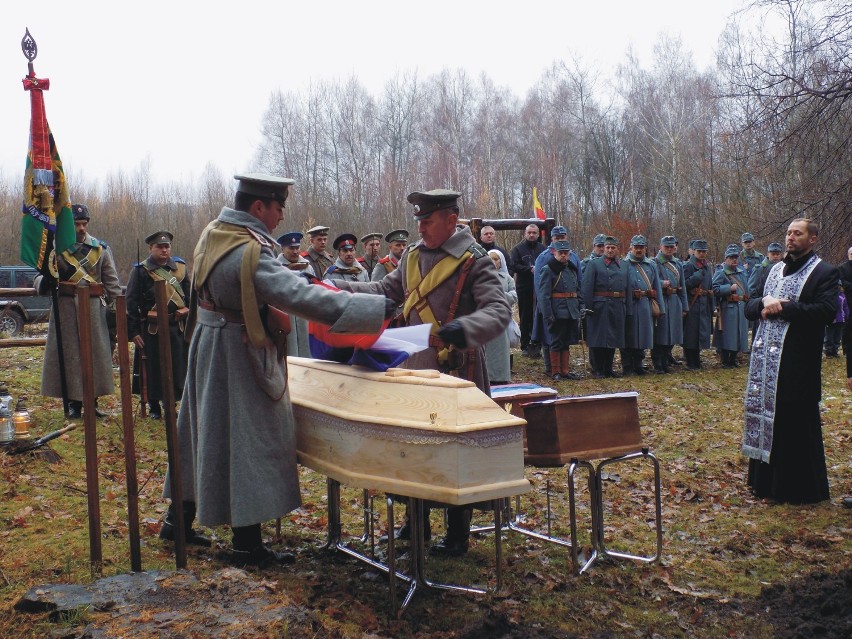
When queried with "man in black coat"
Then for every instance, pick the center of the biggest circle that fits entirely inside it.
(142, 317)
(522, 263)
(783, 431)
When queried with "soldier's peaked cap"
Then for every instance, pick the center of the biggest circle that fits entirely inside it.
(747, 237)
(638, 240)
(427, 202)
(371, 236)
(600, 238)
(266, 186)
(159, 237)
(293, 238)
(775, 247)
(700, 245)
(732, 251)
(558, 230)
(668, 240)
(347, 240)
(399, 235)
(318, 230)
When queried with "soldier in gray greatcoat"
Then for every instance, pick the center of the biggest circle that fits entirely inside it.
(460, 331)
(698, 323)
(297, 340)
(346, 268)
(235, 426)
(89, 260)
(645, 291)
(669, 329)
(604, 288)
(730, 286)
(561, 306)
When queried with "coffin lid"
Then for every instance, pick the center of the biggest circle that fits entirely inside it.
(425, 400)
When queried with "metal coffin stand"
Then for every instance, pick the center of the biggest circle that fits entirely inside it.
(575, 431)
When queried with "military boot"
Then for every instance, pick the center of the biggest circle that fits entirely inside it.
(192, 536)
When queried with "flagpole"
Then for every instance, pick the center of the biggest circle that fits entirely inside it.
(43, 161)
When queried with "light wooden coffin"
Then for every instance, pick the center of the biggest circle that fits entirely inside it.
(414, 433)
(585, 427)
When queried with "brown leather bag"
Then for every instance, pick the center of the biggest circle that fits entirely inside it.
(278, 326)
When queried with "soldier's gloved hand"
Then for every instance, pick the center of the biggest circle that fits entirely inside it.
(453, 333)
(390, 308)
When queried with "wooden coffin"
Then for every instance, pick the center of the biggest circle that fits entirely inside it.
(590, 427)
(415, 433)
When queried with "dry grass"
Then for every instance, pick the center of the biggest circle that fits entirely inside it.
(721, 545)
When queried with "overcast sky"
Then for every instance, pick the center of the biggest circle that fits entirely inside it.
(184, 83)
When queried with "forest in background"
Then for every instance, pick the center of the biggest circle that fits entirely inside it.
(747, 146)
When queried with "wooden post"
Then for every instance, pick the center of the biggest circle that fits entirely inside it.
(84, 326)
(167, 389)
(129, 439)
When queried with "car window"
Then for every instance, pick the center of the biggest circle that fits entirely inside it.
(5, 279)
(24, 279)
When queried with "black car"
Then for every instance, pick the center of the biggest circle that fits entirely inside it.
(17, 311)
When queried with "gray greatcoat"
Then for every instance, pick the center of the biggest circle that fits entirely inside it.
(482, 311)
(639, 325)
(497, 351)
(339, 271)
(698, 324)
(669, 328)
(297, 339)
(731, 333)
(236, 427)
(605, 325)
(105, 273)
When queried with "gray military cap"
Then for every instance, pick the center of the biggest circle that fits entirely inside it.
(427, 202)
(266, 186)
(611, 240)
(600, 238)
(775, 247)
(732, 251)
(668, 240)
(371, 236)
(747, 237)
(638, 240)
(561, 245)
(700, 245)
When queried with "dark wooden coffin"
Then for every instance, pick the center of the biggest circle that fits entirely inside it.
(590, 427)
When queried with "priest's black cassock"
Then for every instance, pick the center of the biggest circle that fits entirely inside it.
(796, 472)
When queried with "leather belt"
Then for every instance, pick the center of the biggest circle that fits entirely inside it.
(151, 316)
(69, 289)
(609, 294)
(559, 296)
(738, 298)
(671, 291)
(701, 292)
(232, 316)
(647, 293)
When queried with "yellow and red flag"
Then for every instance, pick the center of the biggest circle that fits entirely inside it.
(537, 208)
